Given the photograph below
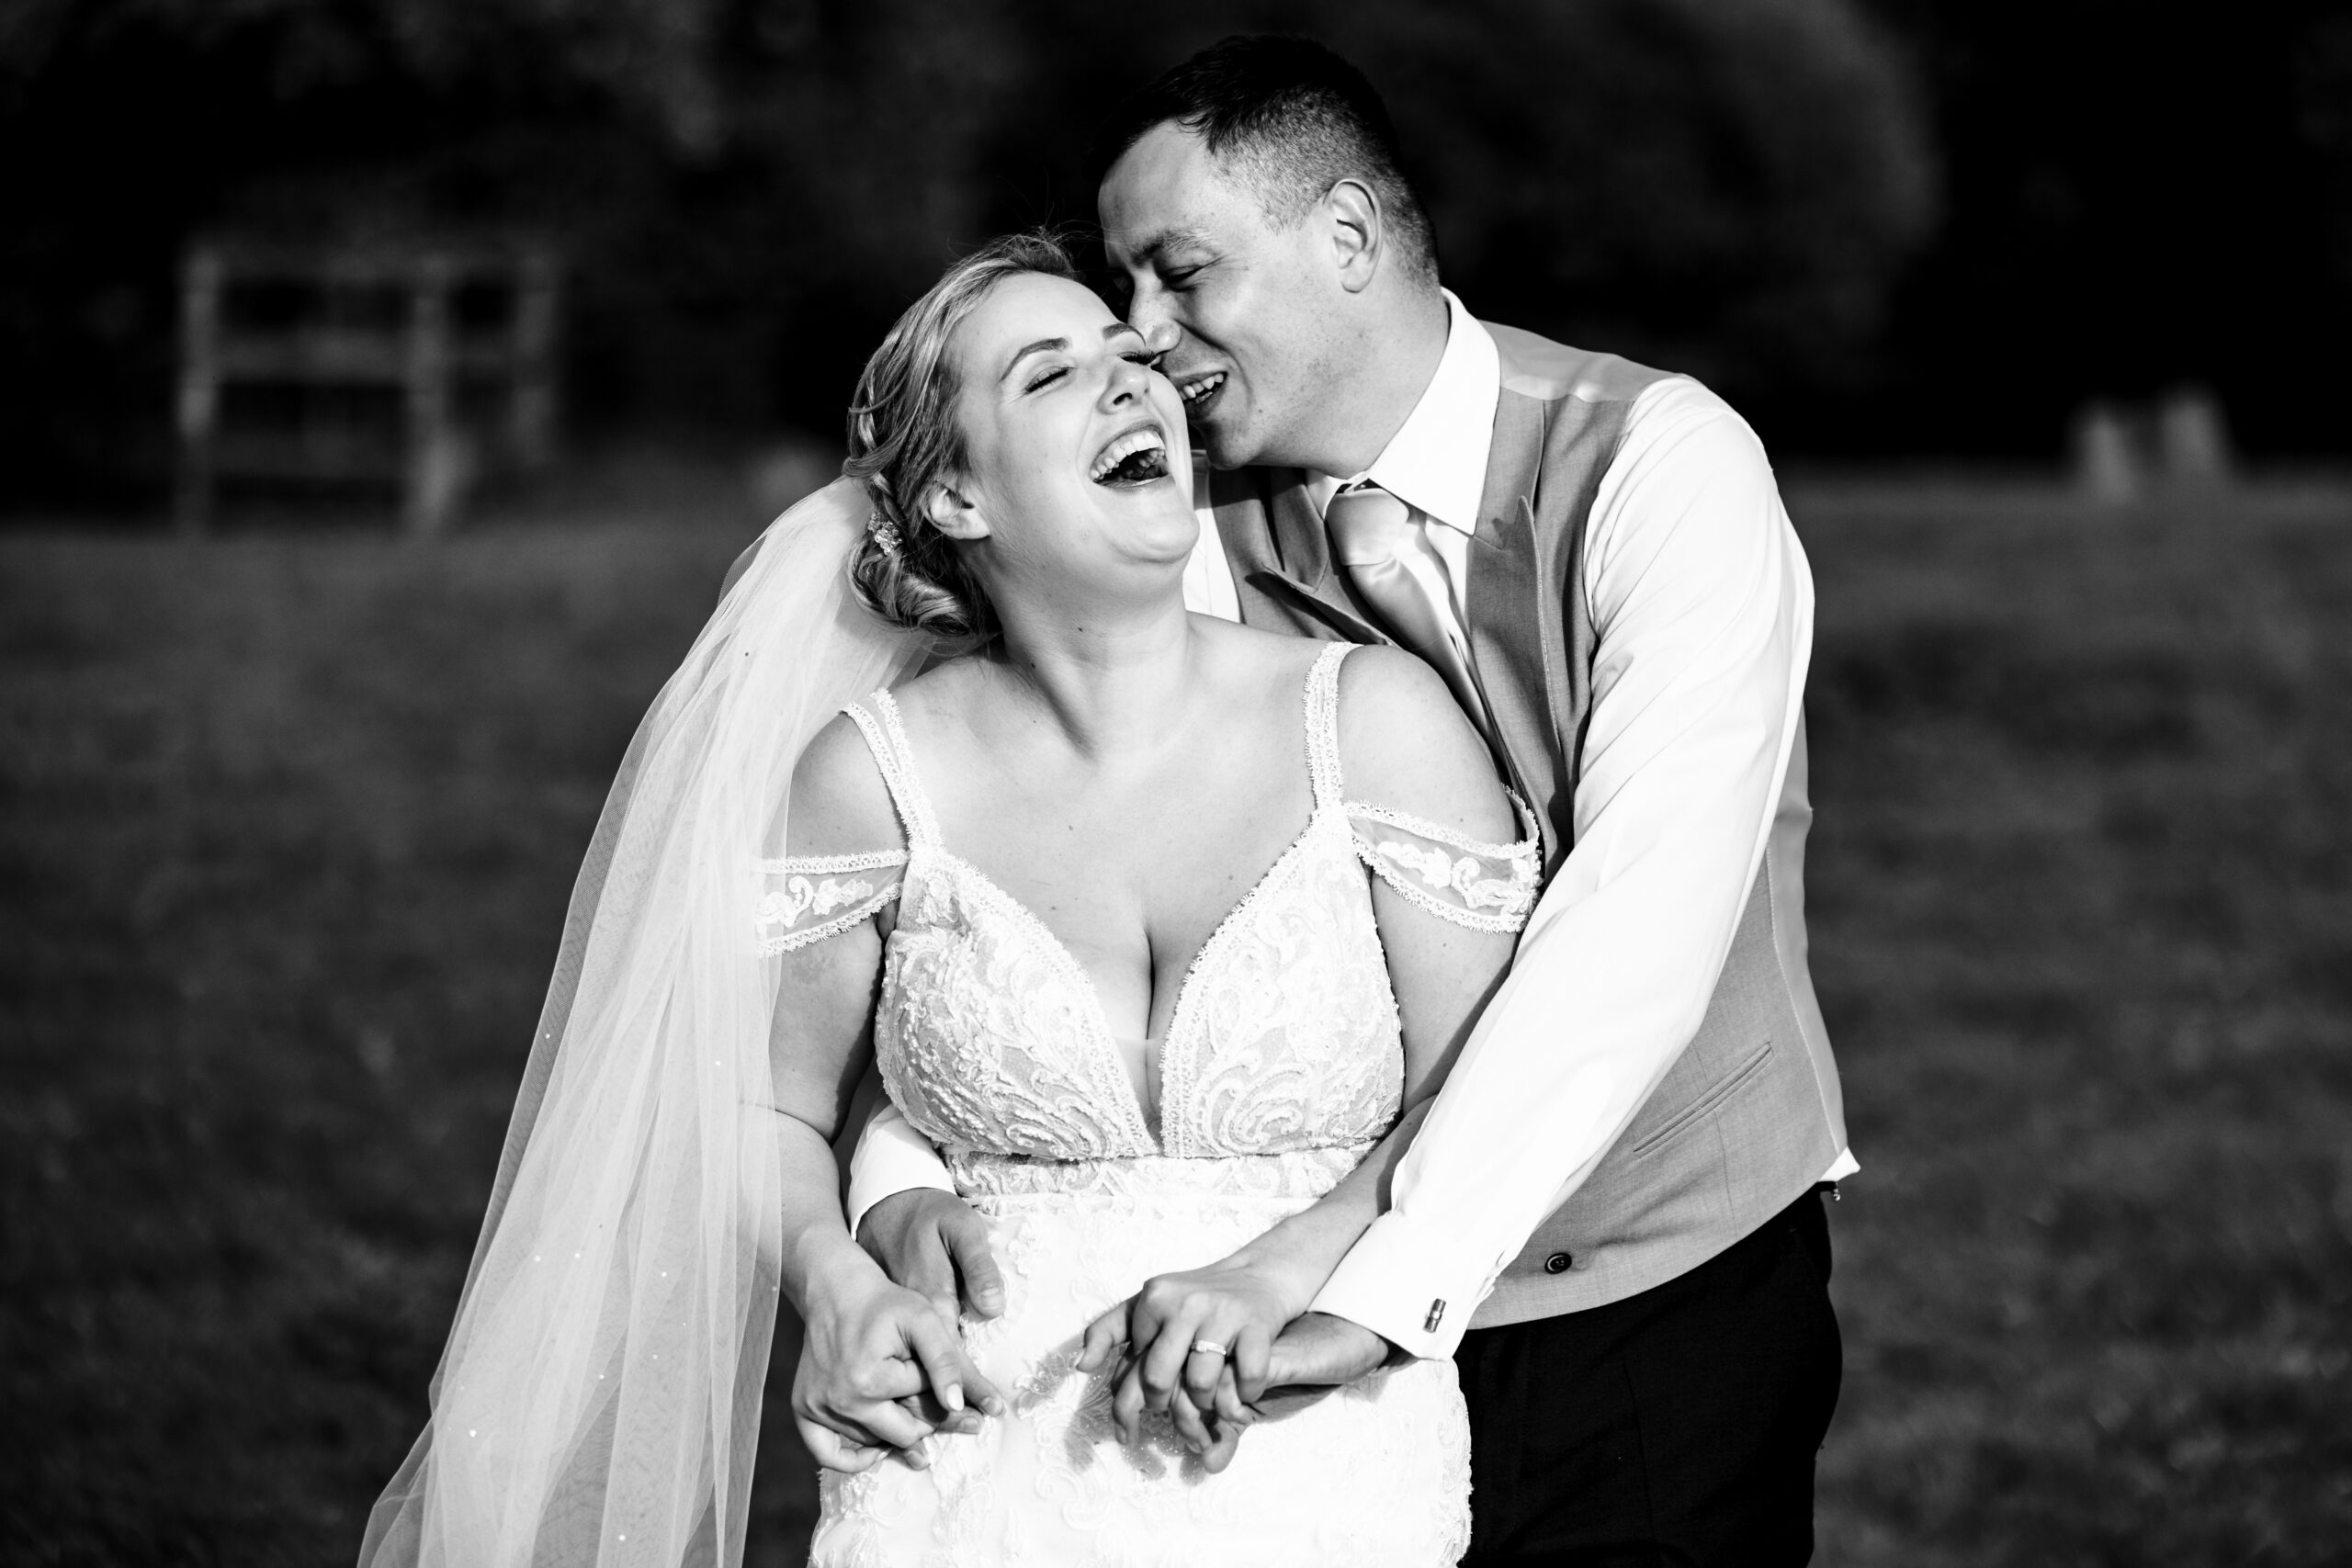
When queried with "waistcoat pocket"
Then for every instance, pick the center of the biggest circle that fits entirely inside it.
(1698, 1110)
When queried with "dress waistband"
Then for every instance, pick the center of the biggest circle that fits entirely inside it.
(1299, 1175)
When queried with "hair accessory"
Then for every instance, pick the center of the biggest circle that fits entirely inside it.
(885, 532)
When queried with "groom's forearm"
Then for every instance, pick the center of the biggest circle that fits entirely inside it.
(1705, 613)
(1306, 1247)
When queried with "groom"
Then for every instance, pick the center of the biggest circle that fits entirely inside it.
(1611, 1220)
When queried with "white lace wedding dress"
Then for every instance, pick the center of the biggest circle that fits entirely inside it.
(1281, 1067)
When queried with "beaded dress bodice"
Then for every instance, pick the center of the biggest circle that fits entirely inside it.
(1285, 1032)
(1284, 1035)
(1281, 1064)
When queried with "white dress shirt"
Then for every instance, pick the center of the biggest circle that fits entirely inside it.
(1703, 605)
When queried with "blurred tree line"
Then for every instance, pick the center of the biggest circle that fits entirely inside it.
(1829, 211)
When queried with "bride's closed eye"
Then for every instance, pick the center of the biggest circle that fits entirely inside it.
(1045, 379)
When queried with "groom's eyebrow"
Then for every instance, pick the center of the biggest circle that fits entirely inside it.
(1154, 247)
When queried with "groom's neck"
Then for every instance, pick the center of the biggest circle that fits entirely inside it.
(1388, 356)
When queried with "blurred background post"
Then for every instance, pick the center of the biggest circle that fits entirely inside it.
(2040, 310)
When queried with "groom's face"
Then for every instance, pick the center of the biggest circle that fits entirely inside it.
(1241, 307)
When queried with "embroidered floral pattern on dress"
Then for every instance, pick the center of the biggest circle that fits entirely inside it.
(1488, 887)
(796, 894)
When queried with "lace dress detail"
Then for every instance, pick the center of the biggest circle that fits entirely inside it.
(1282, 1065)
(801, 895)
(1488, 887)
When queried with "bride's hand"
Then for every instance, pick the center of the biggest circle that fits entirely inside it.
(879, 1371)
(1237, 1307)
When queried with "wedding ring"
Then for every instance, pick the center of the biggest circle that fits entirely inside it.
(1208, 1348)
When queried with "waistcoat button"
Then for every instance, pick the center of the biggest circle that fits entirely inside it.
(1558, 1263)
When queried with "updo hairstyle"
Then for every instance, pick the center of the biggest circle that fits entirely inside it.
(904, 439)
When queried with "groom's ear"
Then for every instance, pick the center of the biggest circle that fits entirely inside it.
(952, 512)
(1359, 237)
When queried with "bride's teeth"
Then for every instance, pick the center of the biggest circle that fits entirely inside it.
(1125, 447)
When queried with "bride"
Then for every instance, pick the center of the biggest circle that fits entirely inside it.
(1163, 929)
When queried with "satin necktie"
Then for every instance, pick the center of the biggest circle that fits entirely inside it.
(1402, 578)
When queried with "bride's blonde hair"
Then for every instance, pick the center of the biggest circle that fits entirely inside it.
(904, 439)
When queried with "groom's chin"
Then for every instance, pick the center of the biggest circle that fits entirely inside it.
(1225, 447)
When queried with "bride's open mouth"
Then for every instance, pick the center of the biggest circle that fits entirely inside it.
(1134, 457)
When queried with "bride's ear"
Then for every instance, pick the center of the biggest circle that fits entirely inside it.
(954, 513)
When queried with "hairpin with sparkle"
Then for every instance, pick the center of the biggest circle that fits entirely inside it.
(885, 532)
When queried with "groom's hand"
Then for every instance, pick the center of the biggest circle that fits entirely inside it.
(928, 1240)
(1316, 1353)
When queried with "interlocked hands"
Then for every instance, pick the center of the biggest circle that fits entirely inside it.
(1217, 1348)
(880, 1371)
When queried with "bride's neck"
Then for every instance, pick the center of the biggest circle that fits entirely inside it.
(1111, 682)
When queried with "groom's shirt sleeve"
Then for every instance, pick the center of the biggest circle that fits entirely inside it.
(891, 1156)
(1703, 606)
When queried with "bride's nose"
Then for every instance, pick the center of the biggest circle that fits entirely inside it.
(1128, 383)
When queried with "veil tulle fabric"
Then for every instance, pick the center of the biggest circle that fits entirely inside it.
(598, 1401)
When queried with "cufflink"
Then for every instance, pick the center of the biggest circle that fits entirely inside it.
(1436, 1316)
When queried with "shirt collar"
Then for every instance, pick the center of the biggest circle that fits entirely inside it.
(1437, 462)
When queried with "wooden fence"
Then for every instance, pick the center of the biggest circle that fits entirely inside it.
(412, 369)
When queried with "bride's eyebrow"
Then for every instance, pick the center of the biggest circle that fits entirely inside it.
(1054, 345)
(1043, 345)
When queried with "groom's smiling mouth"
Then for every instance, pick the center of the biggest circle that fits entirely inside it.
(1131, 457)
(1199, 391)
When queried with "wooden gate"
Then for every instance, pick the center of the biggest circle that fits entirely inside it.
(407, 369)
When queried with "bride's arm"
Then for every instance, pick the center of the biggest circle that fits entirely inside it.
(871, 1346)
(1406, 747)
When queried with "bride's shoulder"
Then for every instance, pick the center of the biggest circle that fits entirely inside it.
(839, 803)
(1405, 743)
(948, 687)
(1251, 654)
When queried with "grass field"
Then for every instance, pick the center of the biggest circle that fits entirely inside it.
(288, 821)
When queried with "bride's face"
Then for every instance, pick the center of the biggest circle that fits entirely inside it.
(1076, 473)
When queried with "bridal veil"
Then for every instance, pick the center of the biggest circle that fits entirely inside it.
(598, 1400)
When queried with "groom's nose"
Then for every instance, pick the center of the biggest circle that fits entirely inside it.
(1159, 332)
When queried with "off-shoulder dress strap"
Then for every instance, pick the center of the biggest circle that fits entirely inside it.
(1487, 887)
(806, 898)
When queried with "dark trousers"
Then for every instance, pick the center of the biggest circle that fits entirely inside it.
(1675, 1427)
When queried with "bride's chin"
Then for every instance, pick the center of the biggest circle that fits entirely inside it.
(1170, 536)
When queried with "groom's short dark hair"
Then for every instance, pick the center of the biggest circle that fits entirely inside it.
(1293, 119)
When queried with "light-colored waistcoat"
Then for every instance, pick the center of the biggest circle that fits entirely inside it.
(1750, 1115)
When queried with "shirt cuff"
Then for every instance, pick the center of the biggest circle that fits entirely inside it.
(1415, 1288)
(891, 1157)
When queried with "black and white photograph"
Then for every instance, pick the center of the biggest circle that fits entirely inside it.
(1009, 784)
